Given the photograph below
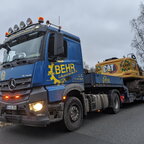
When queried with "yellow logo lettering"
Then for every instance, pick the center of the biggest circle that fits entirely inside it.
(59, 72)
(63, 69)
(57, 69)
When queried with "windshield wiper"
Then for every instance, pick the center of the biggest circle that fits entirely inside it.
(9, 63)
(20, 60)
(6, 64)
(25, 60)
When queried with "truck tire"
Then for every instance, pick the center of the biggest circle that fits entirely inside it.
(115, 101)
(73, 114)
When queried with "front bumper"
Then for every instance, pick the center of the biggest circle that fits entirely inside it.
(53, 113)
(25, 120)
(22, 115)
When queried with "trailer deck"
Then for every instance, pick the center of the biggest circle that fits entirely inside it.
(93, 80)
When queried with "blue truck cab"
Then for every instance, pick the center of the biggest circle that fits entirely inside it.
(42, 79)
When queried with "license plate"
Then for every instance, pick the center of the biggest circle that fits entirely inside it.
(11, 107)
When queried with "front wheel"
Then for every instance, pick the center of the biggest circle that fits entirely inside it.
(73, 114)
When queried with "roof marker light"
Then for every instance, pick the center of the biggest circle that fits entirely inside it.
(49, 24)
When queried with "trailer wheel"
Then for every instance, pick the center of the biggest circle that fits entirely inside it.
(73, 114)
(115, 100)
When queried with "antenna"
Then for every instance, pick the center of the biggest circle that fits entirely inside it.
(59, 23)
(59, 20)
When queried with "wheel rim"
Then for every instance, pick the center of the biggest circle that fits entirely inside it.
(74, 113)
(116, 103)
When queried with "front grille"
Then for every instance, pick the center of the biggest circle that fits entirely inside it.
(22, 83)
(22, 88)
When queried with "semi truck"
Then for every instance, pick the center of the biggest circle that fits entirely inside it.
(43, 81)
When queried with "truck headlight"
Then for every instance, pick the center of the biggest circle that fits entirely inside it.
(36, 106)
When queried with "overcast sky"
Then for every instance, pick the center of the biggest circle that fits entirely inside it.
(102, 25)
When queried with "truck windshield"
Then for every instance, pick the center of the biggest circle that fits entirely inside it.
(28, 46)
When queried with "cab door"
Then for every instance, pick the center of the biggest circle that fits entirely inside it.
(63, 65)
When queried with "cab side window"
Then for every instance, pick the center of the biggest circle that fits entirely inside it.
(51, 47)
(65, 48)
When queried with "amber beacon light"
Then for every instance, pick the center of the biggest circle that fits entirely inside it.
(41, 20)
(7, 34)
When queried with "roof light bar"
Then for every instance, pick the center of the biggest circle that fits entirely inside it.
(29, 23)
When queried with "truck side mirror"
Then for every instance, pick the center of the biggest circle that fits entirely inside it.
(58, 45)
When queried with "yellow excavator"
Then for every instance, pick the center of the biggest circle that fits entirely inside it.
(127, 68)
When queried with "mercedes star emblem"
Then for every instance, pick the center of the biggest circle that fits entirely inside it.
(12, 84)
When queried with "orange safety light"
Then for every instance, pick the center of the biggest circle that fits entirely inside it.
(7, 34)
(6, 97)
(17, 97)
(41, 20)
(64, 97)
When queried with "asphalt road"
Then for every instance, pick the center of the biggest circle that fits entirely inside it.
(127, 127)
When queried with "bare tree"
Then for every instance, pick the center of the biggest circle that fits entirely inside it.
(138, 27)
